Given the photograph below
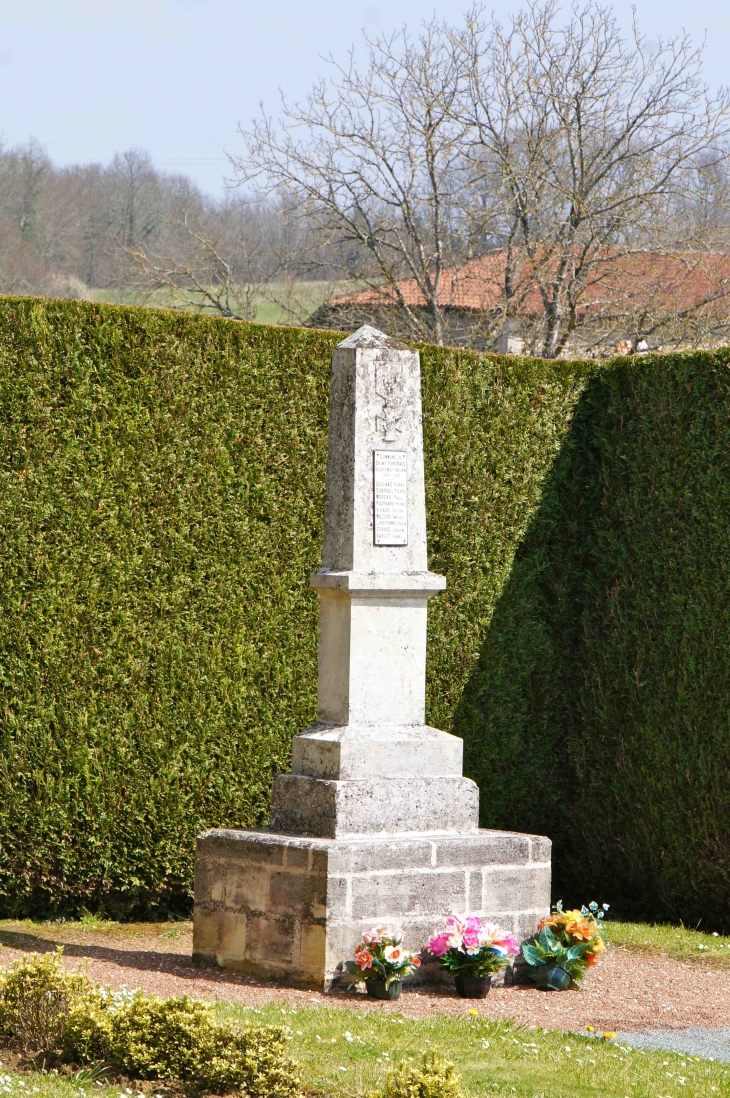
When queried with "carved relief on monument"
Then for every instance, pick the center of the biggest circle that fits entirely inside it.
(389, 387)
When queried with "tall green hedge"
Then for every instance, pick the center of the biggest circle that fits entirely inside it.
(161, 506)
(161, 499)
(604, 677)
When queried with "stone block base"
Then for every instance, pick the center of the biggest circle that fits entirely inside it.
(301, 805)
(291, 908)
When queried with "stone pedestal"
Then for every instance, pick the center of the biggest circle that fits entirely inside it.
(375, 823)
(290, 908)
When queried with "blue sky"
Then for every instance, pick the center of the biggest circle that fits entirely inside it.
(88, 78)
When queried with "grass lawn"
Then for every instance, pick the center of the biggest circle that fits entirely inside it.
(51, 1085)
(675, 941)
(347, 1054)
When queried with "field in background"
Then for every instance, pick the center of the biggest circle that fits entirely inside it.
(280, 303)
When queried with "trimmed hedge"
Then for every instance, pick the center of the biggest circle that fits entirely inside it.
(605, 674)
(161, 507)
(161, 499)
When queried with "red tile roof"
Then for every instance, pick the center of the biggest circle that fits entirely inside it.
(672, 283)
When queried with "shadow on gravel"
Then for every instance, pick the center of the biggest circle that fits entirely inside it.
(176, 964)
(150, 960)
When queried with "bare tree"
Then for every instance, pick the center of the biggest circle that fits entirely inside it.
(589, 143)
(204, 260)
(557, 149)
(374, 161)
(227, 258)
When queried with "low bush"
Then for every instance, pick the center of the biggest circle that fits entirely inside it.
(47, 1009)
(434, 1078)
(36, 995)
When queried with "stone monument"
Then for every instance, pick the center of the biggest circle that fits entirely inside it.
(375, 823)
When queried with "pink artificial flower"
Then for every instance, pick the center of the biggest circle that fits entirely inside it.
(439, 945)
(470, 942)
(455, 932)
(375, 936)
(497, 939)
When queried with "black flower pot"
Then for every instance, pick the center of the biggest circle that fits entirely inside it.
(551, 978)
(473, 987)
(376, 989)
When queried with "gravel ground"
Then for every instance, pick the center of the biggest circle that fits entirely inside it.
(627, 991)
(711, 1044)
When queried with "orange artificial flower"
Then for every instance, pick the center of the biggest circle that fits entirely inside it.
(364, 959)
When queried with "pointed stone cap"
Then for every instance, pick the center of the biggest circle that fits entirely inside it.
(367, 336)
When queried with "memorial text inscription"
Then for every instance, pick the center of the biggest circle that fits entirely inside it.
(390, 492)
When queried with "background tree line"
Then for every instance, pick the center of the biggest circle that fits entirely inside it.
(67, 232)
(591, 167)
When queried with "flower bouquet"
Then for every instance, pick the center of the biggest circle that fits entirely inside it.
(472, 950)
(567, 944)
(382, 963)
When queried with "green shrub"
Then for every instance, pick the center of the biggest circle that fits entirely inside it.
(179, 1038)
(161, 508)
(604, 678)
(434, 1078)
(36, 995)
(87, 1032)
(47, 1009)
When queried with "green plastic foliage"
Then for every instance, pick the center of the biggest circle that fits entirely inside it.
(161, 507)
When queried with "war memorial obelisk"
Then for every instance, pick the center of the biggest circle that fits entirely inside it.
(375, 823)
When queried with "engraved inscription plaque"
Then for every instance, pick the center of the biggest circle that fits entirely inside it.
(390, 493)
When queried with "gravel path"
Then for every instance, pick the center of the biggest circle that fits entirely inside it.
(711, 1044)
(628, 991)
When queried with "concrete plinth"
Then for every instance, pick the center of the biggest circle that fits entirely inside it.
(292, 908)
